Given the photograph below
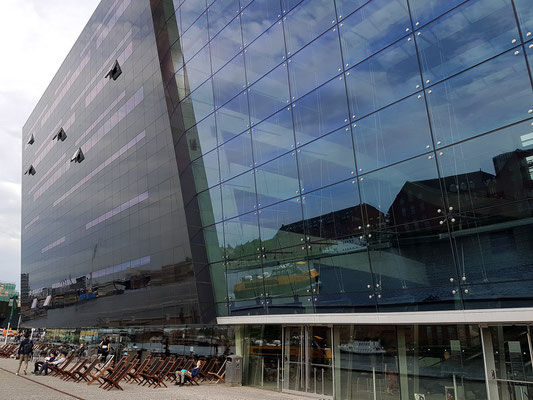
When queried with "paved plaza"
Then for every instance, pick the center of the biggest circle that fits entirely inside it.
(53, 388)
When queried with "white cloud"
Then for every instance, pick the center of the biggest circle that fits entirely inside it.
(36, 37)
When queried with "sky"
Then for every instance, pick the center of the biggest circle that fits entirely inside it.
(36, 36)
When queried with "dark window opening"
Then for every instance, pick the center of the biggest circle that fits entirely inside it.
(115, 71)
(30, 171)
(61, 135)
(78, 156)
(31, 140)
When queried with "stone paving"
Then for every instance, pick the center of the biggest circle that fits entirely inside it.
(52, 388)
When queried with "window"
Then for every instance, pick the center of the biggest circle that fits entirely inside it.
(30, 171)
(114, 72)
(78, 156)
(61, 135)
(31, 140)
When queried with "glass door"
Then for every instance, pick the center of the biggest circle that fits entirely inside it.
(308, 360)
(508, 353)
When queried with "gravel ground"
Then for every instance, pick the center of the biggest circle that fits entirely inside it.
(46, 387)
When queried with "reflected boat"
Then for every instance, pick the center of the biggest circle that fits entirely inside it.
(362, 347)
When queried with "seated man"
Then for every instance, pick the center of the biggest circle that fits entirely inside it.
(185, 376)
(56, 362)
(39, 364)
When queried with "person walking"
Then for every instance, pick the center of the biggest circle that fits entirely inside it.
(104, 347)
(25, 352)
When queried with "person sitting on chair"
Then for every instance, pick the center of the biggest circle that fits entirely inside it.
(185, 376)
(56, 362)
(39, 364)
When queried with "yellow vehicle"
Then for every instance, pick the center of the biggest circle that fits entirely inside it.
(284, 280)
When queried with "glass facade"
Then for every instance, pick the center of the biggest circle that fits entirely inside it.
(355, 156)
(331, 164)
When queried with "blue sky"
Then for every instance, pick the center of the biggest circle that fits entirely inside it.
(36, 37)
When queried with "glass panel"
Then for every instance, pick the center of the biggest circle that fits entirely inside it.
(218, 279)
(229, 81)
(277, 180)
(265, 53)
(373, 27)
(294, 370)
(245, 280)
(220, 13)
(273, 137)
(366, 359)
(342, 273)
(490, 170)
(205, 170)
(281, 226)
(297, 305)
(412, 256)
(190, 10)
(262, 355)
(258, 17)
(241, 237)
(489, 96)
(442, 362)
(232, 118)
(384, 78)
(525, 16)
(308, 21)
(194, 38)
(315, 64)
(198, 105)
(213, 238)
(202, 137)
(345, 7)
(226, 44)
(327, 160)
(269, 94)
(331, 213)
(511, 352)
(195, 72)
(235, 156)
(424, 11)
(210, 206)
(320, 367)
(401, 194)
(446, 46)
(393, 134)
(286, 273)
(321, 111)
(238, 195)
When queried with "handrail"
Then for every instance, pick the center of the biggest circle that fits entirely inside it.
(513, 381)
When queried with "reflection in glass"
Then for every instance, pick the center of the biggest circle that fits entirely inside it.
(321, 111)
(232, 118)
(273, 137)
(458, 40)
(210, 206)
(206, 171)
(489, 96)
(371, 28)
(281, 225)
(258, 17)
(403, 193)
(424, 11)
(220, 13)
(194, 73)
(392, 134)
(265, 53)
(241, 236)
(315, 64)
(383, 78)
(198, 105)
(226, 44)
(235, 156)
(525, 17)
(238, 195)
(277, 180)
(308, 21)
(262, 354)
(229, 81)
(195, 37)
(269, 94)
(327, 160)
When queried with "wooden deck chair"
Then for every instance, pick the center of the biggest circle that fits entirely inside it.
(82, 375)
(219, 375)
(134, 374)
(100, 372)
(206, 368)
(114, 379)
(147, 376)
(70, 373)
(159, 379)
(56, 370)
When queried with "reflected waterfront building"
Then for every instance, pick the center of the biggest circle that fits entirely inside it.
(340, 191)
